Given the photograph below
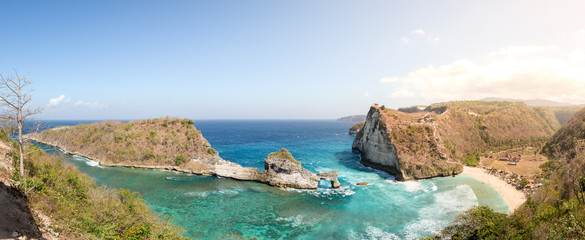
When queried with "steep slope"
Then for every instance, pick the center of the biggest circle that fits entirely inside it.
(555, 211)
(56, 201)
(436, 141)
(566, 140)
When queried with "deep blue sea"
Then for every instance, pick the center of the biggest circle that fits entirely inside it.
(209, 207)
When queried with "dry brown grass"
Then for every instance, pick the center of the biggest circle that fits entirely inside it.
(528, 166)
(162, 141)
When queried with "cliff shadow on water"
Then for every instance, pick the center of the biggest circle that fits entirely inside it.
(351, 160)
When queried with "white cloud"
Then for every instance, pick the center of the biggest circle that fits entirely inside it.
(402, 93)
(419, 35)
(514, 72)
(58, 100)
(92, 105)
(577, 56)
(418, 32)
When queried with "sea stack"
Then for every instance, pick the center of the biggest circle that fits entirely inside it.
(282, 170)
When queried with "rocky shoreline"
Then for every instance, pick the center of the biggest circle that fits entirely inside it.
(278, 171)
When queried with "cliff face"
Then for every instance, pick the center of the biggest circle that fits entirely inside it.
(173, 144)
(436, 141)
(383, 146)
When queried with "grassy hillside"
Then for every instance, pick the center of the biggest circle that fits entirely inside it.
(555, 211)
(161, 141)
(466, 129)
(75, 206)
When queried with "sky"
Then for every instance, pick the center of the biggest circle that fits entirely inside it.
(247, 59)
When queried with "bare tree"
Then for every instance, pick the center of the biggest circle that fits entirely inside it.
(15, 96)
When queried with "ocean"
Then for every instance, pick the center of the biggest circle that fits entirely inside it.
(210, 207)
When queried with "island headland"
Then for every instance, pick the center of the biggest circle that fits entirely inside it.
(176, 145)
(439, 139)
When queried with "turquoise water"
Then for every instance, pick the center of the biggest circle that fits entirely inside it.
(208, 207)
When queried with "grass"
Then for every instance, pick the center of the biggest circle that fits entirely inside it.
(80, 209)
(284, 154)
(161, 141)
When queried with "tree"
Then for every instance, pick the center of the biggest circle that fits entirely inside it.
(14, 96)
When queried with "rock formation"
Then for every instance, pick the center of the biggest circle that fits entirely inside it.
(281, 169)
(437, 141)
(354, 129)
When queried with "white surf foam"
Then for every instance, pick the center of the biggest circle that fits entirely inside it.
(436, 216)
(295, 221)
(373, 233)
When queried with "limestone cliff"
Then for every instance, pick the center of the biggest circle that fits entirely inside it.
(172, 144)
(408, 150)
(437, 140)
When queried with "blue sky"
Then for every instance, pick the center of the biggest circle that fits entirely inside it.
(287, 59)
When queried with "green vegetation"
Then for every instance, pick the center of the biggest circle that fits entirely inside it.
(356, 127)
(179, 160)
(284, 154)
(211, 151)
(472, 127)
(161, 141)
(472, 160)
(79, 209)
(555, 211)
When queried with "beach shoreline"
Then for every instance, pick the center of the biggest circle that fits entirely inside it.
(513, 197)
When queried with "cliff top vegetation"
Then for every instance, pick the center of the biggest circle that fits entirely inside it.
(284, 154)
(161, 141)
(466, 129)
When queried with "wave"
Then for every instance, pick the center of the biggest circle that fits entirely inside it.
(437, 215)
(373, 233)
(416, 186)
(295, 221)
(221, 191)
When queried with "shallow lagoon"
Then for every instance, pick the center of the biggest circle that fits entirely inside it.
(209, 207)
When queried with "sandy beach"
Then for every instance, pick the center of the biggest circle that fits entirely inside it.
(514, 197)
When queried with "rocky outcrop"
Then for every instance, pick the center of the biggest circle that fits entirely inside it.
(404, 145)
(376, 148)
(354, 129)
(437, 141)
(281, 169)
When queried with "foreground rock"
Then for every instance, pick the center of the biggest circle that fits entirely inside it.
(175, 145)
(282, 170)
(438, 140)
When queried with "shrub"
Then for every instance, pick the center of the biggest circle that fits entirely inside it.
(179, 160)
(211, 151)
(472, 160)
